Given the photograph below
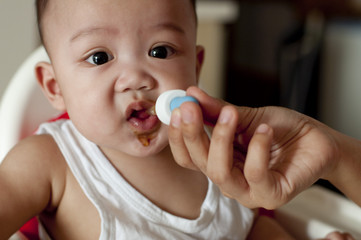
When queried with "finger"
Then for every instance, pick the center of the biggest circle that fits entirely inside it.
(256, 168)
(221, 168)
(177, 145)
(194, 135)
(221, 151)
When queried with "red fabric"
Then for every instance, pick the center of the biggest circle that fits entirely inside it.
(31, 228)
(61, 116)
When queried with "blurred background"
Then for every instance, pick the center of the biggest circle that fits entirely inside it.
(18, 36)
(301, 54)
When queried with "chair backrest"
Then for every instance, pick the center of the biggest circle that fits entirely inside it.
(23, 106)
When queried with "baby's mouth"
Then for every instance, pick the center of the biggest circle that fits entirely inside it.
(143, 114)
(143, 121)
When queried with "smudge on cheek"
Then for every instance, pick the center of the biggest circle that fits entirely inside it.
(151, 111)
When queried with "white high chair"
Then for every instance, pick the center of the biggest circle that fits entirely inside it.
(23, 106)
(311, 215)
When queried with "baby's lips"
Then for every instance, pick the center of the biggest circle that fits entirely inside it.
(139, 106)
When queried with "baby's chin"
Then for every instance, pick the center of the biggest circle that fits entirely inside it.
(149, 145)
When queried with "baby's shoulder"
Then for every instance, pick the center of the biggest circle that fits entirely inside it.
(38, 153)
(36, 166)
(38, 147)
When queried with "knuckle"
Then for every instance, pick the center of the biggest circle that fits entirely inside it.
(221, 135)
(218, 177)
(183, 162)
(190, 136)
(192, 133)
(253, 175)
(175, 139)
(187, 165)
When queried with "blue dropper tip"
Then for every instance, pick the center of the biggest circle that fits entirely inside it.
(177, 101)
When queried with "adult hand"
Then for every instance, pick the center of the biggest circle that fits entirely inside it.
(261, 157)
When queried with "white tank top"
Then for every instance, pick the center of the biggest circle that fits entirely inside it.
(127, 214)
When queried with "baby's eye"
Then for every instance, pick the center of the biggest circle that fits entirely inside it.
(99, 58)
(161, 52)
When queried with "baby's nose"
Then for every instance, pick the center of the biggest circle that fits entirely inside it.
(134, 79)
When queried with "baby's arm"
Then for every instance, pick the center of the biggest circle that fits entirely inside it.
(268, 228)
(27, 177)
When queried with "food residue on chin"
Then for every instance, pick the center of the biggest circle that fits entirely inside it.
(145, 139)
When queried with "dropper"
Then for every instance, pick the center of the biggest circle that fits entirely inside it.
(170, 100)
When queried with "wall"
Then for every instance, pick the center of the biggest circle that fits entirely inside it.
(340, 96)
(18, 36)
(254, 47)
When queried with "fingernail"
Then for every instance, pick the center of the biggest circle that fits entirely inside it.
(225, 116)
(187, 117)
(176, 118)
(263, 128)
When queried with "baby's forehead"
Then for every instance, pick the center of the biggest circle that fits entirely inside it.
(70, 10)
(64, 17)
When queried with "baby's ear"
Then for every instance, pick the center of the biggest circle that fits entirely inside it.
(46, 78)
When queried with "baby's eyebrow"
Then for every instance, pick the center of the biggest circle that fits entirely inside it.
(170, 26)
(90, 31)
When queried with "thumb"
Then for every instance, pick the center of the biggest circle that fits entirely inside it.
(211, 107)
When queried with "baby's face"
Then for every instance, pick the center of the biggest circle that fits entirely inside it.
(113, 58)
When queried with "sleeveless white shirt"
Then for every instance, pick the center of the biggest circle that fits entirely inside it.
(127, 214)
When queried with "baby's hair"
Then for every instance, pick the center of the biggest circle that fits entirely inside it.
(41, 7)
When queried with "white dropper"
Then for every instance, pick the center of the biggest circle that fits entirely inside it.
(170, 100)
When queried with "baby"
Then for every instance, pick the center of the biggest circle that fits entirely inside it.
(108, 172)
